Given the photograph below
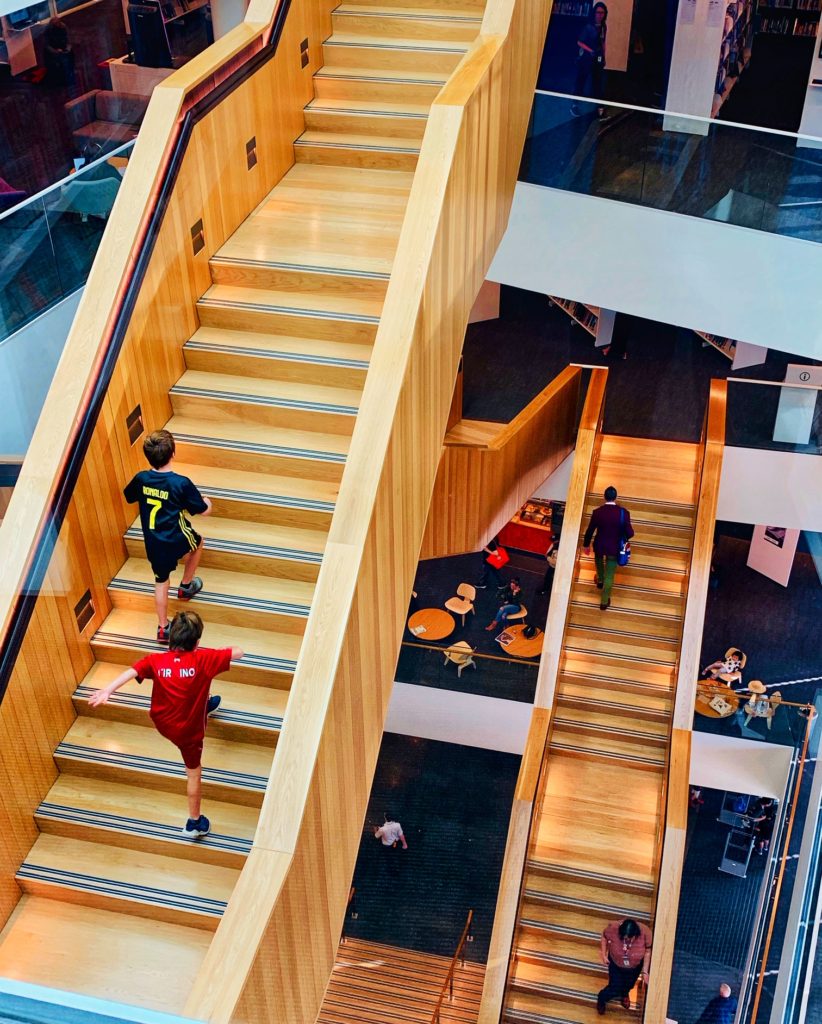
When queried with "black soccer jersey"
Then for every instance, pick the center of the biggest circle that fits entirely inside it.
(164, 498)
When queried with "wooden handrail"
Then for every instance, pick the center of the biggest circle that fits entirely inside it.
(531, 779)
(475, 654)
(673, 819)
(448, 984)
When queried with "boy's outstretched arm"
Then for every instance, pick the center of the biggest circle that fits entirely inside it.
(101, 696)
(236, 653)
(208, 507)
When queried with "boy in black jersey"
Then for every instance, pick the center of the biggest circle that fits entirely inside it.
(164, 498)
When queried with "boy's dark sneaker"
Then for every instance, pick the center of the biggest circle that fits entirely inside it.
(162, 633)
(213, 704)
(186, 591)
(197, 829)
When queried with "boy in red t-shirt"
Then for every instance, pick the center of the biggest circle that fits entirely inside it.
(180, 701)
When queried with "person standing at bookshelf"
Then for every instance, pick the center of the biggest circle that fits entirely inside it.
(591, 58)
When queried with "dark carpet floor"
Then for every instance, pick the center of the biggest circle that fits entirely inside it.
(453, 803)
(659, 391)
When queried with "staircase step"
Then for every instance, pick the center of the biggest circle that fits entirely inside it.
(249, 714)
(410, 23)
(633, 599)
(271, 403)
(393, 54)
(571, 956)
(149, 820)
(643, 577)
(522, 1007)
(373, 117)
(619, 672)
(348, 149)
(351, 319)
(624, 620)
(286, 554)
(595, 880)
(566, 919)
(645, 555)
(253, 271)
(264, 498)
(643, 753)
(380, 85)
(559, 982)
(577, 893)
(140, 756)
(578, 695)
(112, 878)
(270, 658)
(236, 599)
(278, 357)
(465, 7)
(601, 721)
(251, 447)
(646, 510)
(631, 646)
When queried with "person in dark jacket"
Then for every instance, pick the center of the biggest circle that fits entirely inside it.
(721, 1009)
(609, 525)
(591, 57)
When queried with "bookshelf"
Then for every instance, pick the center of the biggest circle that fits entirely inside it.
(727, 346)
(586, 316)
(789, 18)
(735, 49)
(572, 8)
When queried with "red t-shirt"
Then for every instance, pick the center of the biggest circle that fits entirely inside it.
(181, 682)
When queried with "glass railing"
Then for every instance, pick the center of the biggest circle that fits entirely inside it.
(48, 243)
(774, 416)
(751, 177)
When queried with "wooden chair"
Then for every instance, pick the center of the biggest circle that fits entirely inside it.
(463, 603)
(759, 705)
(460, 654)
(517, 616)
(734, 677)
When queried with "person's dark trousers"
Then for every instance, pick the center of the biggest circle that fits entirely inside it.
(620, 982)
(585, 66)
(492, 573)
(548, 582)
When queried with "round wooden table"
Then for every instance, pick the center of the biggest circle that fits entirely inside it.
(520, 647)
(436, 624)
(703, 704)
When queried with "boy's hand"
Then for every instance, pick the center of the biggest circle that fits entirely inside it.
(99, 697)
(237, 653)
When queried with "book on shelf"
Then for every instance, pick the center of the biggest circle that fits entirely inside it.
(574, 8)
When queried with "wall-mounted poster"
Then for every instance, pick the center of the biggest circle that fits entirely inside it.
(716, 13)
(772, 552)
(687, 12)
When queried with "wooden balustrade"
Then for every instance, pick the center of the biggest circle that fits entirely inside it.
(488, 470)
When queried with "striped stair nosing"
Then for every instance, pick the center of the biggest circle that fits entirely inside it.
(394, 80)
(561, 961)
(324, 108)
(560, 929)
(611, 755)
(122, 890)
(303, 268)
(606, 631)
(611, 705)
(633, 734)
(571, 646)
(639, 612)
(323, 144)
(225, 600)
(562, 869)
(241, 547)
(528, 1017)
(574, 903)
(230, 716)
(268, 401)
(361, 12)
(255, 448)
(660, 690)
(144, 644)
(158, 766)
(560, 991)
(278, 500)
(315, 314)
(363, 44)
(626, 499)
(139, 827)
(290, 357)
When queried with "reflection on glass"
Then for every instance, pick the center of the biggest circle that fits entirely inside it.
(769, 181)
(775, 417)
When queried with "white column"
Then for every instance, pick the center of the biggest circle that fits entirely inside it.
(694, 62)
(226, 15)
(811, 123)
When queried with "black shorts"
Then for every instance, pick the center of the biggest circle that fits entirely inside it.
(164, 557)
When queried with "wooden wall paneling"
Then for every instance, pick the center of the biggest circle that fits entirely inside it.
(37, 709)
(480, 486)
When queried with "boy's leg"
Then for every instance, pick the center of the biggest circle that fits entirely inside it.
(190, 563)
(599, 569)
(161, 602)
(608, 573)
(194, 791)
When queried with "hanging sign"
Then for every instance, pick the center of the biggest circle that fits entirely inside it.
(716, 13)
(687, 12)
(772, 551)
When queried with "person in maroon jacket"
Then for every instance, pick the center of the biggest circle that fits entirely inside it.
(609, 524)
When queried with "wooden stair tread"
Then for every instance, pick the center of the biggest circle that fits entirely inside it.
(123, 744)
(438, 13)
(594, 879)
(265, 488)
(135, 631)
(522, 1007)
(603, 743)
(643, 577)
(308, 303)
(629, 598)
(268, 389)
(240, 701)
(103, 807)
(571, 690)
(264, 593)
(622, 619)
(341, 140)
(630, 646)
(607, 719)
(593, 665)
(647, 511)
(398, 42)
(318, 349)
(581, 893)
(355, 106)
(355, 213)
(384, 74)
(335, 446)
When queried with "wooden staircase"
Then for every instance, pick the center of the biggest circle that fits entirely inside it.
(263, 417)
(594, 855)
(385, 985)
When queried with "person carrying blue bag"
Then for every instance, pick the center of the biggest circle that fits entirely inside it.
(611, 531)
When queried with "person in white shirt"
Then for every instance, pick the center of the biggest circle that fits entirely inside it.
(390, 833)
